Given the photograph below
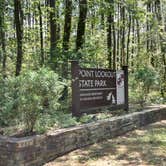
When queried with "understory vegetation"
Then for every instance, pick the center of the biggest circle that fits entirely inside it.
(39, 38)
(34, 101)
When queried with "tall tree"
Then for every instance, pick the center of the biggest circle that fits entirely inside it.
(58, 29)
(66, 35)
(2, 36)
(18, 14)
(118, 34)
(123, 62)
(67, 25)
(114, 41)
(162, 39)
(148, 9)
(133, 42)
(81, 24)
(128, 39)
(109, 32)
(41, 34)
(53, 29)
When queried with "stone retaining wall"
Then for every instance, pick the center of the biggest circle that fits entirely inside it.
(37, 150)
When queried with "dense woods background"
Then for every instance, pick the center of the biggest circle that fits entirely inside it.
(105, 33)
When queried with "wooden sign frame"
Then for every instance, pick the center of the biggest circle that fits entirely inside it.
(105, 82)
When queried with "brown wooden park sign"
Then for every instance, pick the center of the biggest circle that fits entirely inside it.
(94, 88)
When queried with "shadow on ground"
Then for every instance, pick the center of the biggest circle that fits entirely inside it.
(146, 146)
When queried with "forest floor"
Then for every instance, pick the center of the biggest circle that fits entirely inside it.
(142, 147)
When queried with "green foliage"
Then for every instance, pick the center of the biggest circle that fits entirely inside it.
(146, 76)
(155, 97)
(31, 94)
(142, 81)
(37, 90)
(62, 119)
(55, 120)
(86, 118)
(8, 101)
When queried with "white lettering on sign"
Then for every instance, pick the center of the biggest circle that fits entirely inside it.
(92, 83)
(95, 78)
(91, 94)
(100, 83)
(97, 74)
(86, 73)
(86, 83)
(91, 98)
(102, 74)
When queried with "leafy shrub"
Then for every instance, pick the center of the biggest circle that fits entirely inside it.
(141, 82)
(155, 98)
(146, 76)
(8, 101)
(85, 118)
(30, 94)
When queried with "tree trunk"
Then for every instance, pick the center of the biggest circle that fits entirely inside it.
(114, 41)
(133, 43)
(138, 35)
(128, 39)
(66, 35)
(41, 36)
(58, 31)
(53, 30)
(123, 36)
(67, 25)
(109, 42)
(2, 37)
(66, 41)
(18, 14)
(102, 21)
(81, 24)
(118, 35)
(162, 38)
(110, 20)
(148, 28)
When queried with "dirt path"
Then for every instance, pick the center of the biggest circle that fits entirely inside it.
(143, 147)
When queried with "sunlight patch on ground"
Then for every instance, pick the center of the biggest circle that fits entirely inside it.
(142, 147)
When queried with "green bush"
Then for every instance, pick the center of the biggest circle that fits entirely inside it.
(155, 97)
(142, 82)
(55, 120)
(31, 94)
(8, 101)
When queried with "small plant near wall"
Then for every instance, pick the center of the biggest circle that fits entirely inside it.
(30, 94)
